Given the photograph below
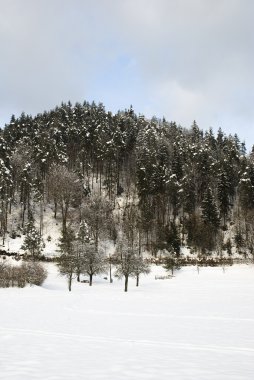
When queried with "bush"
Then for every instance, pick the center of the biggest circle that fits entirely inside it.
(31, 273)
(34, 273)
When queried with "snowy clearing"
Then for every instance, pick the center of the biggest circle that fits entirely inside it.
(193, 326)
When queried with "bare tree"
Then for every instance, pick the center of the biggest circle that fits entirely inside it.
(130, 263)
(97, 212)
(66, 190)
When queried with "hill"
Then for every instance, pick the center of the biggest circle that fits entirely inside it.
(151, 182)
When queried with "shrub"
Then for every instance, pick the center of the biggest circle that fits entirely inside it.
(34, 273)
(31, 273)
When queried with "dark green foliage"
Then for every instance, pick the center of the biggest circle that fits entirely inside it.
(201, 235)
(173, 239)
(209, 210)
(68, 262)
(239, 239)
(246, 188)
(224, 194)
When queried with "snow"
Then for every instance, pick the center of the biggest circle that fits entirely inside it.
(51, 228)
(193, 326)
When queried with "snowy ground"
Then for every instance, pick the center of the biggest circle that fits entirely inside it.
(194, 326)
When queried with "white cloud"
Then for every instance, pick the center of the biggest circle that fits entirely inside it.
(184, 59)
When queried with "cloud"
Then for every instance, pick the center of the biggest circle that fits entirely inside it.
(184, 59)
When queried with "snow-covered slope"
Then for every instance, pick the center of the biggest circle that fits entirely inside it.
(194, 326)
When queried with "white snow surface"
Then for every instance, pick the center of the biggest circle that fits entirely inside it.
(193, 326)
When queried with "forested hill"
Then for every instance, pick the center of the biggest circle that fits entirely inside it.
(125, 175)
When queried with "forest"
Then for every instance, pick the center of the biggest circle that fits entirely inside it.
(146, 185)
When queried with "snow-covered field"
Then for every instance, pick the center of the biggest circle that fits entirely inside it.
(194, 326)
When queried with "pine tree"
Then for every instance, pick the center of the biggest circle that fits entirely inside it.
(33, 243)
(246, 191)
(67, 262)
(209, 209)
(173, 239)
(224, 195)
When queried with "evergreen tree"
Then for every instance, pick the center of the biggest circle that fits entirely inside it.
(173, 239)
(224, 195)
(68, 261)
(209, 209)
(33, 243)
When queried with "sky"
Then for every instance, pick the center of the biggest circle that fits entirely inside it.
(182, 59)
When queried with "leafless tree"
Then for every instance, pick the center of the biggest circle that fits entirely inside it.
(97, 212)
(130, 263)
(65, 189)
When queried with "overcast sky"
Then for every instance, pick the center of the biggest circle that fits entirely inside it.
(182, 59)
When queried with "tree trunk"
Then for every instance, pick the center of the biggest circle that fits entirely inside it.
(126, 283)
(110, 272)
(55, 209)
(137, 280)
(90, 279)
(69, 285)
(64, 217)
(41, 217)
(23, 214)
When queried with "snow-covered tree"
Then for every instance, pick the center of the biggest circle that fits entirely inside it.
(141, 266)
(33, 243)
(129, 263)
(67, 265)
(93, 261)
